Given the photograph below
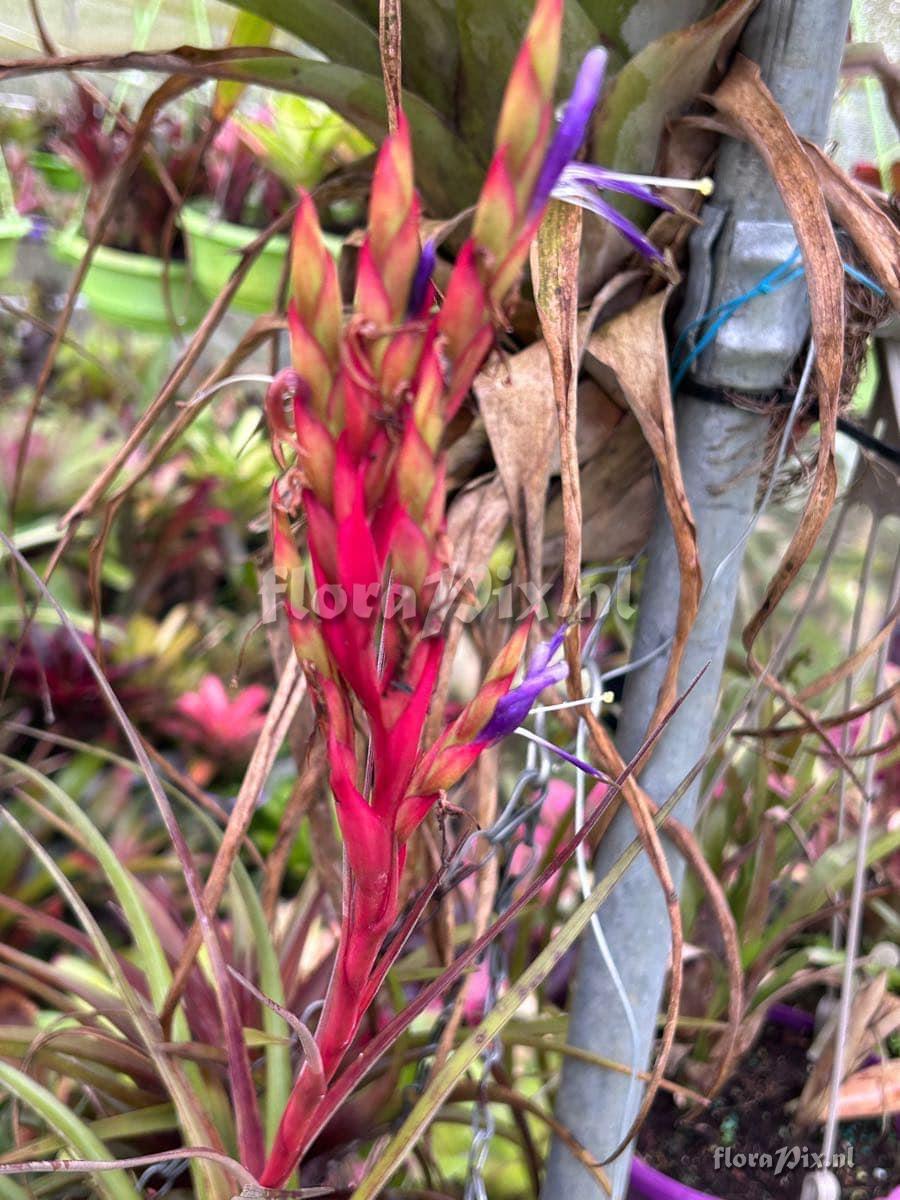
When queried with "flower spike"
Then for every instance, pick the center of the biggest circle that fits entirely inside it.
(358, 424)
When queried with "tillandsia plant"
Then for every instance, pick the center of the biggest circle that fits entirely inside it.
(96, 146)
(363, 411)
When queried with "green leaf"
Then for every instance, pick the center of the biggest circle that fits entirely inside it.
(659, 81)
(489, 37)
(279, 1077)
(208, 1180)
(78, 1137)
(829, 874)
(248, 30)
(448, 171)
(347, 32)
(328, 26)
(630, 24)
(10, 1190)
(158, 1118)
(302, 145)
(150, 952)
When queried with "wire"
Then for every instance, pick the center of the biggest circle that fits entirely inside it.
(223, 383)
(711, 322)
(857, 897)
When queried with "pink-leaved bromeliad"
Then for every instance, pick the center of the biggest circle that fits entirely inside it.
(358, 425)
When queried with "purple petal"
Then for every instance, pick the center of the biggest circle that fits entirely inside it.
(546, 651)
(594, 202)
(590, 175)
(570, 758)
(514, 707)
(572, 127)
(418, 292)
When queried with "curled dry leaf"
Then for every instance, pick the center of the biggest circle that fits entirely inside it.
(519, 416)
(632, 348)
(874, 234)
(874, 1016)
(554, 272)
(750, 109)
(872, 1092)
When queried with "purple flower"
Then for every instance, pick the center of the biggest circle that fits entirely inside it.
(514, 707)
(573, 126)
(582, 184)
(565, 178)
(418, 292)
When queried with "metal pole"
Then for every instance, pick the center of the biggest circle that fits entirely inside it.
(798, 44)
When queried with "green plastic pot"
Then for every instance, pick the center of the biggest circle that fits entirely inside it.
(12, 230)
(213, 249)
(60, 174)
(128, 290)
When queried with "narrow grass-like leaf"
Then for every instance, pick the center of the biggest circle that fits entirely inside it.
(196, 1128)
(151, 956)
(828, 875)
(279, 1077)
(243, 1093)
(442, 1084)
(157, 1118)
(78, 1137)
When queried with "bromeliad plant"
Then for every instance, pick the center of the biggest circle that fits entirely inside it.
(363, 411)
(96, 149)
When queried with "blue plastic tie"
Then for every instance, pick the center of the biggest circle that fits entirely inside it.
(713, 320)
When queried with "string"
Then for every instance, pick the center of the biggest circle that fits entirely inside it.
(685, 352)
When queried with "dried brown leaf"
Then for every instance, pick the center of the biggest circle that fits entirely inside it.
(872, 1092)
(618, 493)
(874, 234)
(633, 349)
(748, 105)
(389, 43)
(554, 273)
(872, 1009)
(516, 402)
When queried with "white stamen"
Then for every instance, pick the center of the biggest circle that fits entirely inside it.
(704, 186)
